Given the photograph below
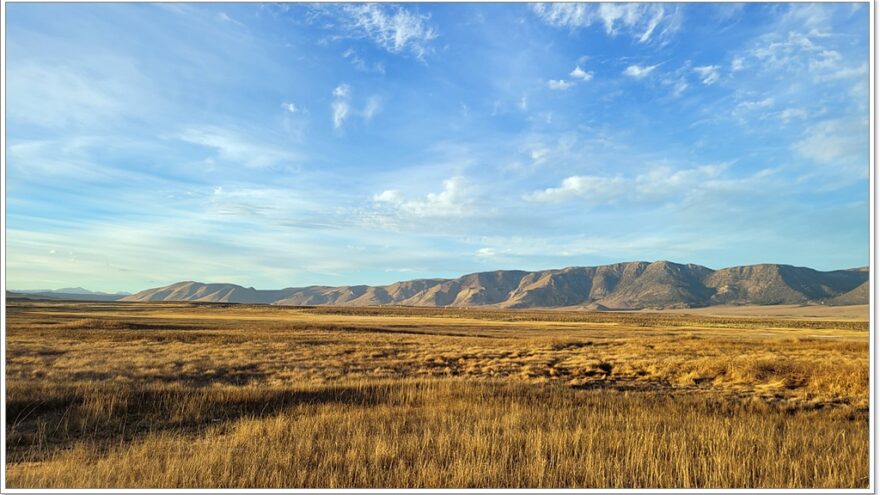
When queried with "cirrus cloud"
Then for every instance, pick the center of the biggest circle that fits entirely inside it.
(642, 21)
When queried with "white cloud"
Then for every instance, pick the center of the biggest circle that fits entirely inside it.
(708, 74)
(642, 21)
(639, 72)
(289, 107)
(455, 200)
(559, 85)
(581, 74)
(392, 27)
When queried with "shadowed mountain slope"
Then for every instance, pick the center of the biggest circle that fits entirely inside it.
(859, 295)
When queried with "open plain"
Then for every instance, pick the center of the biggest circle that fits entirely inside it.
(219, 395)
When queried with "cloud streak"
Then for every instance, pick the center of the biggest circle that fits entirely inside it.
(237, 149)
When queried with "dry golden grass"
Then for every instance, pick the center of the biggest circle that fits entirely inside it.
(173, 395)
(857, 312)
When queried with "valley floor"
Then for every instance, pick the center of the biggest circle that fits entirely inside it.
(855, 312)
(190, 395)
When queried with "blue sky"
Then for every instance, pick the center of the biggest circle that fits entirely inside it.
(289, 145)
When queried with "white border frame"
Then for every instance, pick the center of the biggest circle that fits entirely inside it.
(872, 316)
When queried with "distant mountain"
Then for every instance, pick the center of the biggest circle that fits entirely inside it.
(634, 285)
(195, 291)
(68, 291)
(66, 296)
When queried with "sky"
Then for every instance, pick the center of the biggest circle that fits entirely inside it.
(286, 145)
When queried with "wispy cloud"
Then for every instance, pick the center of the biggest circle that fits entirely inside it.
(374, 105)
(97, 92)
(842, 143)
(393, 27)
(800, 52)
(737, 64)
(339, 107)
(361, 64)
(73, 158)
(223, 16)
(790, 114)
(236, 148)
(344, 106)
(659, 183)
(679, 86)
(640, 20)
(841, 72)
(749, 105)
(709, 74)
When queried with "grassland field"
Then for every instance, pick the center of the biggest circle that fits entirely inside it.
(159, 395)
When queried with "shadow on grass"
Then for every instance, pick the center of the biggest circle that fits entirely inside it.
(43, 422)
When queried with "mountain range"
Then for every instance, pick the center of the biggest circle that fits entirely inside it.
(67, 293)
(620, 286)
